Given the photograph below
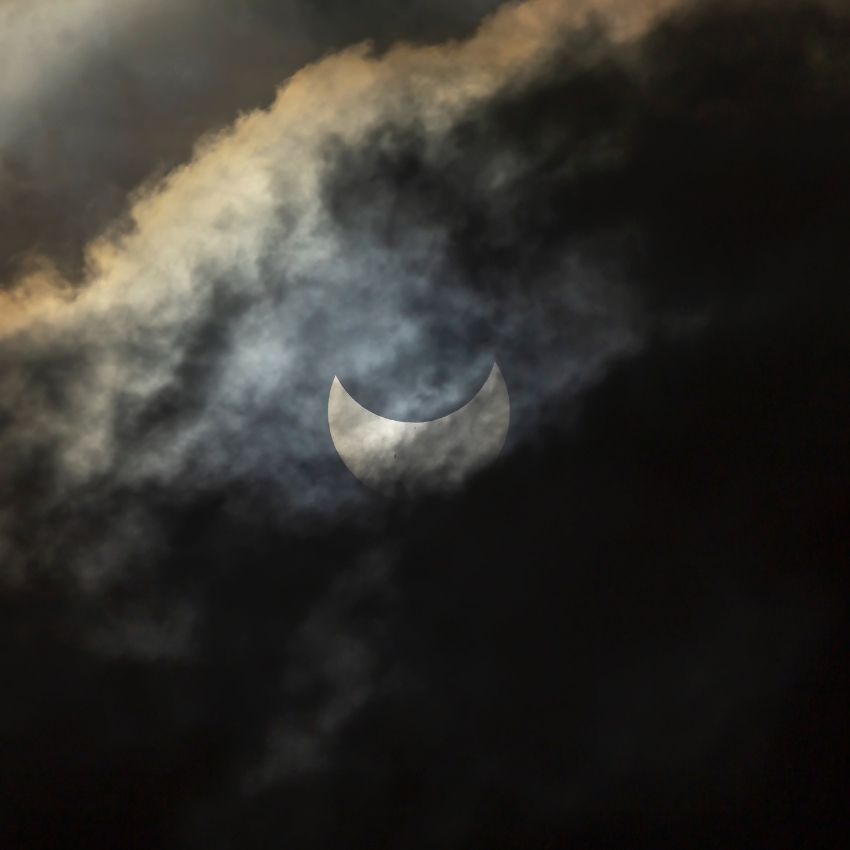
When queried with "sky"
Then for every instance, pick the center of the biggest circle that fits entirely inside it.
(629, 630)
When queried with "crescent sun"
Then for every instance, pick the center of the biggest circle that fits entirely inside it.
(408, 458)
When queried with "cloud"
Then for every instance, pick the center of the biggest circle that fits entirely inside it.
(98, 97)
(236, 294)
(334, 669)
(641, 218)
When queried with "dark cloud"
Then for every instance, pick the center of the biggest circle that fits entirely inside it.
(631, 630)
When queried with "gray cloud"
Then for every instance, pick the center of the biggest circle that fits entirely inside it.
(334, 668)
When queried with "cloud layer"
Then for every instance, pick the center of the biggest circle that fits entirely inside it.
(212, 634)
(199, 347)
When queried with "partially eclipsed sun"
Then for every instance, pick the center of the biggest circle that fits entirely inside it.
(409, 458)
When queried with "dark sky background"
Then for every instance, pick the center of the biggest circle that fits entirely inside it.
(630, 631)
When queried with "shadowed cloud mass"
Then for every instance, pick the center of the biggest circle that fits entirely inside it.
(630, 630)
